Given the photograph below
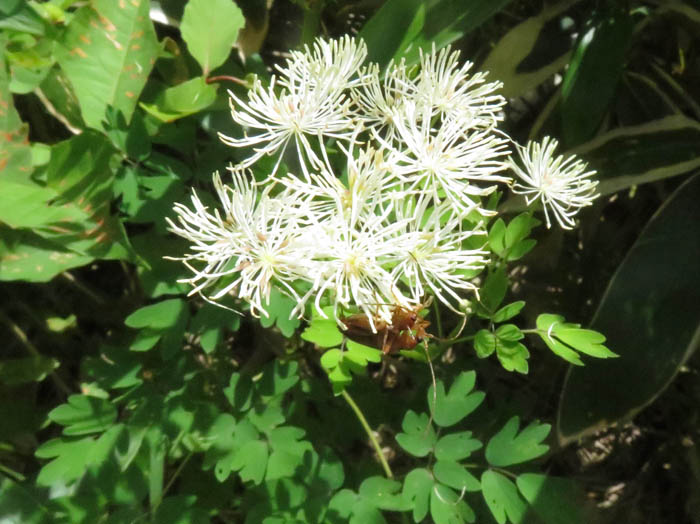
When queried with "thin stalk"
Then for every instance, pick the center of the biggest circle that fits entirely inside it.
(438, 320)
(18, 477)
(176, 473)
(33, 351)
(370, 434)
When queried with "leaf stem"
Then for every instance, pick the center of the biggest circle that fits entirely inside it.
(370, 434)
(226, 78)
(462, 339)
(176, 473)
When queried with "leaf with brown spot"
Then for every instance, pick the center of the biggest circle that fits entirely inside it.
(15, 153)
(102, 42)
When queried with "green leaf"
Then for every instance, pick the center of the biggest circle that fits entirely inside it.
(323, 332)
(447, 507)
(239, 392)
(210, 322)
(162, 315)
(494, 290)
(509, 333)
(210, 28)
(519, 229)
(502, 498)
(180, 509)
(187, 98)
(447, 21)
(586, 341)
(565, 339)
(455, 476)
(382, 493)
(29, 369)
(71, 459)
(83, 415)
(635, 155)
(21, 17)
(15, 155)
(497, 235)
(279, 310)
(22, 503)
(456, 446)
(392, 28)
(251, 461)
(458, 403)
(416, 490)
(508, 447)
(521, 249)
(69, 215)
(555, 500)
(288, 451)
(418, 438)
(484, 343)
(113, 368)
(278, 377)
(107, 53)
(653, 325)
(513, 356)
(509, 311)
(511, 59)
(593, 73)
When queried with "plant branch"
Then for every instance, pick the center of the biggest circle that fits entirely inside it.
(370, 434)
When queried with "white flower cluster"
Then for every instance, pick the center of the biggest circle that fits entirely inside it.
(405, 219)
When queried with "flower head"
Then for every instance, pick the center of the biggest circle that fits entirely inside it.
(256, 245)
(562, 184)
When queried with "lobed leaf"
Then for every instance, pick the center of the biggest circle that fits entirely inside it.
(458, 403)
(508, 447)
(502, 498)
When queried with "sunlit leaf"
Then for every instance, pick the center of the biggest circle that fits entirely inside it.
(107, 53)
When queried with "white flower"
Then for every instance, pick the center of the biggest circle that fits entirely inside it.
(449, 160)
(379, 99)
(450, 91)
(562, 184)
(352, 266)
(439, 257)
(256, 245)
(293, 114)
(330, 66)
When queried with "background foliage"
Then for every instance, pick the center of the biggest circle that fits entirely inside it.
(124, 401)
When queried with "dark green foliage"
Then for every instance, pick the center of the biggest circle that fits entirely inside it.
(123, 399)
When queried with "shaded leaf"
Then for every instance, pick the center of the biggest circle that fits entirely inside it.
(28, 369)
(83, 415)
(508, 447)
(452, 407)
(418, 438)
(653, 327)
(502, 498)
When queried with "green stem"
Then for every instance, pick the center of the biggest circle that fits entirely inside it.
(18, 477)
(461, 339)
(33, 351)
(438, 320)
(176, 474)
(370, 434)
